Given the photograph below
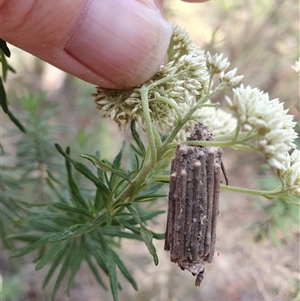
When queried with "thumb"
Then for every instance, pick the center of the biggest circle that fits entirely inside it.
(110, 43)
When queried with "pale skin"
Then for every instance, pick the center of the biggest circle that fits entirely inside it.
(114, 44)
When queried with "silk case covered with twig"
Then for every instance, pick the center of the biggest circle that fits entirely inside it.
(193, 206)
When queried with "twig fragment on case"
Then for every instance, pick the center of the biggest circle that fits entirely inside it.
(194, 204)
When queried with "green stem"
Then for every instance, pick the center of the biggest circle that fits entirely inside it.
(265, 193)
(165, 79)
(169, 102)
(236, 135)
(187, 117)
(130, 192)
(162, 179)
(148, 123)
(229, 144)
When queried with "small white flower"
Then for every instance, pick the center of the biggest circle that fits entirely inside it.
(292, 174)
(229, 79)
(296, 66)
(215, 64)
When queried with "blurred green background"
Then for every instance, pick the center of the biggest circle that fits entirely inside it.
(258, 240)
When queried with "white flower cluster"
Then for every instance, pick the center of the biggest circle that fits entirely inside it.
(292, 174)
(122, 106)
(186, 71)
(275, 128)
(216, 65)
(216, 120)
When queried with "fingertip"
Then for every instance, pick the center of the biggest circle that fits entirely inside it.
(126, 50)
(116, 44)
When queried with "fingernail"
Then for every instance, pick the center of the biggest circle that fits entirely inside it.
(122, 41)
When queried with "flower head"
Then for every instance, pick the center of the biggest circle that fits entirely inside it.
(274, 127)
(215, 64)
(122, 106)
(229, 78)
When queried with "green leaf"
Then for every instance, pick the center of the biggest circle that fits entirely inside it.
(97, 163)
(100, 201)
(158, 235)
(116, 165)
(4, 66)
(104, 166)
(77, 197)
(88, 174)
(58, 258)
(95, 271)
(78, 257)
(137, 139)
(108, 219)
(65, 266)
(4, 48)
(146, 234)
(124, 271)
(151, 215)
(118, 158)
(46, 225)
(132, 228)
(16, 122)
(99, 259)
(147, 237)
(33, 204)
(135, 214)
(148, 197)
(113, 277)
(49, 254)
(52, 177)
(25, 237)
(71, 232)
(31, 246)
(3, 102)
(83, 170)
(137, 162)
(118, 233)
(3, 99)
(50, 181)
(72, 209)
(79, 229)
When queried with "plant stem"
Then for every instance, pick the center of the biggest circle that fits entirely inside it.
(231, 144)
(148, 123)
(265, 193)
(134, 187)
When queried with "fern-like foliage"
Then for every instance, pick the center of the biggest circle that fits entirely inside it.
(71, 229)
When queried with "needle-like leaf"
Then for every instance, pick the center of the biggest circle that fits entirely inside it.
(113, 277)
(65, 266)
(49, 254)
(78, 255)
(124, 270)
(58, 258)
(95, 271)
(4, 48)
(31, 246)
(146, 234)
(137, 139)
